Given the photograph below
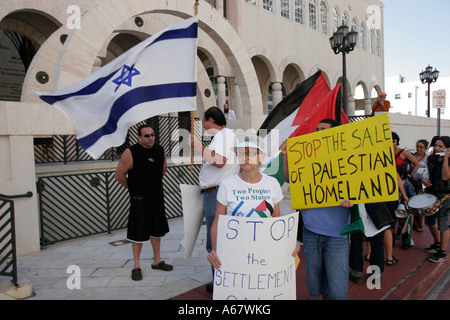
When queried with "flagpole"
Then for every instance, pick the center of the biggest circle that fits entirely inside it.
(193, 112)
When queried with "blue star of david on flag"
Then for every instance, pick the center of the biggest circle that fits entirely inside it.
(156, 76)
(126, 76)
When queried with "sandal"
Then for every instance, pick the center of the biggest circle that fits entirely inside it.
(163, 266)
(136, 274)
(392, 262)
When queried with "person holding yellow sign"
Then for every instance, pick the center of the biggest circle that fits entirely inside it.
(326, 251)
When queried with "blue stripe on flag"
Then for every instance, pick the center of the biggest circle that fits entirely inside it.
(188, 33)
(133, 98)
(92, 88)
(237, 208)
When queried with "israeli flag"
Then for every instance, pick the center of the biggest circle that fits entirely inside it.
(157, 76)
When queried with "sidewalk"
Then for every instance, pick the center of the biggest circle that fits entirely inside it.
(105, 269)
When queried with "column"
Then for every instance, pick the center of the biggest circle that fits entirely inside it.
(277, 94)
(350, 106)
(367, 107)
(221, 99)
(219, 6)
(237, 101)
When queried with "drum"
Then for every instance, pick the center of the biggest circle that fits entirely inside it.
(424, 204)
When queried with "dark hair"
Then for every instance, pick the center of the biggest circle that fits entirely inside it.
(396, 137)
(142, 127)
(402, 171)
(445, 140)
(433, 159)
(217, 115)
(433, 141)
(332, 122)
(424, 142)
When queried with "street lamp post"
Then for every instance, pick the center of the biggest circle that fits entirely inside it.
(343, 42)
(429, 76)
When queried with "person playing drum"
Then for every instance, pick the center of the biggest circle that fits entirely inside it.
(438, 184)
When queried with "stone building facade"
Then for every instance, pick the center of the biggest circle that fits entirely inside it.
(250, 53)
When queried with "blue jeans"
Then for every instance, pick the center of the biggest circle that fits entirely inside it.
(326, 260)
(209, 211)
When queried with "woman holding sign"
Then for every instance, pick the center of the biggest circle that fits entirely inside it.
(248, 193)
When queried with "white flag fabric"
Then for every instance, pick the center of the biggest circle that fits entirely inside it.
(157, 76)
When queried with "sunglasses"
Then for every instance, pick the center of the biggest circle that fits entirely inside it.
(148, 135)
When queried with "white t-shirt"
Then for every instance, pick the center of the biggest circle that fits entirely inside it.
(230, 115)
(244, 199)
(223, 144)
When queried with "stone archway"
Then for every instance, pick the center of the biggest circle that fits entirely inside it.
(70, 66)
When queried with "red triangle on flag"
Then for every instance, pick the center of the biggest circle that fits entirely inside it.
(261, 207)
(318, 92)
(323, 110)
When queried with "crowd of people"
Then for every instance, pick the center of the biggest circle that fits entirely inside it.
(332, 259)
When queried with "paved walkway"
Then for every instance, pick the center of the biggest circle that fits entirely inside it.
(106, 268)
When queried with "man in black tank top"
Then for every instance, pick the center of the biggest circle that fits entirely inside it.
(141, 170)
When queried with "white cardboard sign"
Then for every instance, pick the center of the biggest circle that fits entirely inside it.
(256, 256)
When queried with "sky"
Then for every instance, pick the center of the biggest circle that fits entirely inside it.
(416, 34)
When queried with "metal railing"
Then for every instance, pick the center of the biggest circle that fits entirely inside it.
(8, 255)
(65, 148)
(78, 205)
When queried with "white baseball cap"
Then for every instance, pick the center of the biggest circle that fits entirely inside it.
(252, 142)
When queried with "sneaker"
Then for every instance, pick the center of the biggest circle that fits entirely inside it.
(433, 248)
(439, 256)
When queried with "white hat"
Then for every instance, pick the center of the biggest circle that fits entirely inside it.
(252, 142)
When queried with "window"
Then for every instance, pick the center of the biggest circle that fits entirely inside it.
(299, 9)
(371, 41)
(355, 28)
(345, 19)
(335, 19)
(268, 5)
(313, 14)
(398, 96)
(377, 43)
(286, 9)
(252, 2)
(323, 17)
(362, 36)
(409, 95)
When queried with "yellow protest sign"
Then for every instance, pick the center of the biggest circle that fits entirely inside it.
(355, 161)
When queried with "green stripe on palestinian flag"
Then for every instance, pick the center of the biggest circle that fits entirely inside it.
(356, 223)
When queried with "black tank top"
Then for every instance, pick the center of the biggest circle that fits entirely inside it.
(145, 176)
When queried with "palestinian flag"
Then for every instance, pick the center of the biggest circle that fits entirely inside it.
(264, 209)
(298, 114)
